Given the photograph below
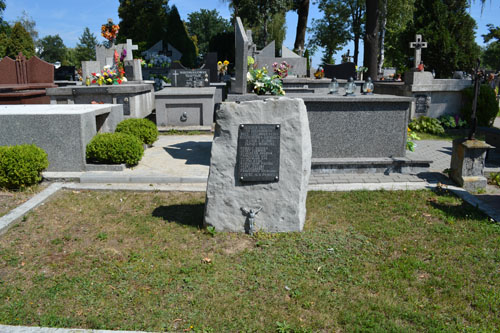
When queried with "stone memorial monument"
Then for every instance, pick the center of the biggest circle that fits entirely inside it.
(259, 167)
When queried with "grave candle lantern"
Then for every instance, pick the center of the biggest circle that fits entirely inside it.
(368, 87)
(350, 87)
(334, 86)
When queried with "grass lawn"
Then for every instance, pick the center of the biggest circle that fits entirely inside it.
(447, 136)
(410, 261)
(11, 199)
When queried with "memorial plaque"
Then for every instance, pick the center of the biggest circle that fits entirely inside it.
(422, 103)
(258, 158)
(189, 78)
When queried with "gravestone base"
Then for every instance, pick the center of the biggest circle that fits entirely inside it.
(467, 163)
(282, 200)
(185, 106)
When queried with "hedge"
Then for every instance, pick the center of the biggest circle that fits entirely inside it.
(115, 148)
(144, 129)
(487, 105)
(21, 165)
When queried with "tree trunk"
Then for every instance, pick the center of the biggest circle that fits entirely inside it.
(371, 38)
(382, 36)
(356, 49)
(300, 36)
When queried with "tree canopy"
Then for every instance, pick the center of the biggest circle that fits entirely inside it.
(178, 36)
(19, 41)
(52, 49)
(205, 24)
(330, 32)
(143, 21)
(85, 49)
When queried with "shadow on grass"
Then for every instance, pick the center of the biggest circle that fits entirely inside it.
(187, 214)
(462, 211)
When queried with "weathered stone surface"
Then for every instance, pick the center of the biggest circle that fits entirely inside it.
(467, 163)
(283, 202)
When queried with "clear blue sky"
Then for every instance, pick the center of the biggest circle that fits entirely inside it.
(68, 18)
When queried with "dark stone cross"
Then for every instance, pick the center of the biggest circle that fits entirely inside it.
(418, 45)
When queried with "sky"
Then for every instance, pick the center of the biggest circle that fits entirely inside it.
(68, 18)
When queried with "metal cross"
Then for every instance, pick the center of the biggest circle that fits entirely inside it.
(418, 45)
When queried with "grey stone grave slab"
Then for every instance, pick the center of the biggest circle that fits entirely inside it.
(63, 131)
(185, 106)
(137, 99)
(278, 205)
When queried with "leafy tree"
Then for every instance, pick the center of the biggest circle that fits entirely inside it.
(490, 56)
(331, 31)
(399, 15)
(85, 49)
(19, 41)
(491, 53)
(143, 21)
(258, 15)
(448, 29)
(494, 33)
(52, 49)
(205, 24)
(71, 59)
(178, 36)
(29, 25)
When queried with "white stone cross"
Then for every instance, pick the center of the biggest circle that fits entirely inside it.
(175, 78)
(418, 45)
(130, 47)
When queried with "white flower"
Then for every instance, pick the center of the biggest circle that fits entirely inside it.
(124, 79)
(249, 77)
(107, 67)
(259, 84)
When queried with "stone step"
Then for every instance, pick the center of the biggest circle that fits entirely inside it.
(369, 165)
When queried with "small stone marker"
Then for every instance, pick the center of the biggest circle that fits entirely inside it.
(260, 163)
(418, 45)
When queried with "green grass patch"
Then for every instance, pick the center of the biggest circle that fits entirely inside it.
(406, 261)
(448, 135)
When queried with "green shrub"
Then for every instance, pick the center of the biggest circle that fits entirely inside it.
(144, 129)
(115, 148)
(426, 125)
(20, 166)
(487, 105)
(447, 121)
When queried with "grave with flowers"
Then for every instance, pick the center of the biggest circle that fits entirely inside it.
(114, 78)
(350, 132)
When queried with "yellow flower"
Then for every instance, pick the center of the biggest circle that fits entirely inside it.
(109, 80)
(219, 63)
(226, 62)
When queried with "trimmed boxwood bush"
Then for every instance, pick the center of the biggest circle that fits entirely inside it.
(21, 165)
(487, 105)
(144, 129)
(115, 148)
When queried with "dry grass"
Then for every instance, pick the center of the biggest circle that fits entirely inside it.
(372, 261)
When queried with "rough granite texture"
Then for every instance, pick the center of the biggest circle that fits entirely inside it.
(63, 131)
(353, 126)
(283, 202)
(468, 162)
